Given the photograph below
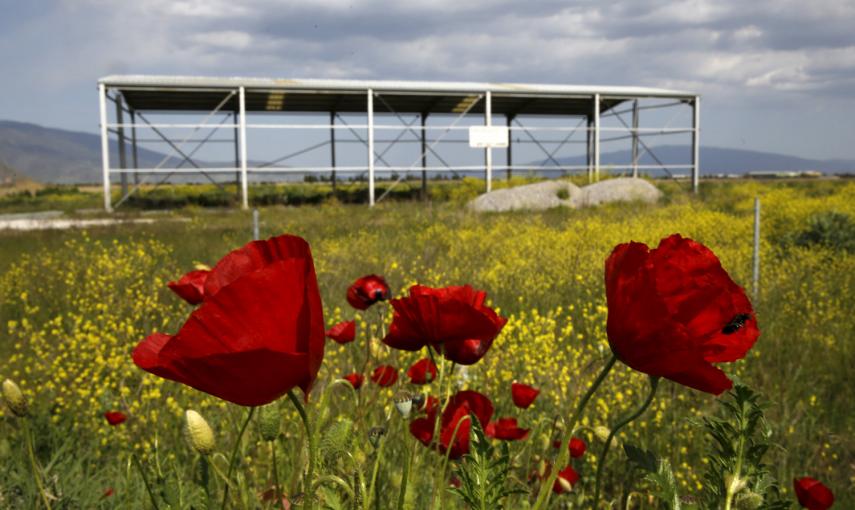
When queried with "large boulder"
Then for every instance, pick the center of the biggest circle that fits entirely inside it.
(532, 197)
(621, 189)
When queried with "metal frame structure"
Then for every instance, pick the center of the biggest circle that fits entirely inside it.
(235, 98)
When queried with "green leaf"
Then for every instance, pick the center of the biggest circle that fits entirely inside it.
(645, 459)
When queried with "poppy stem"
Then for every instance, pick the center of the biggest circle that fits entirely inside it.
(411, 452)
(308, 482)
(372, 487)
(564, 452)
(277, 489)
(654, 383)
(36, 471)
(233, 459)
(139, 466)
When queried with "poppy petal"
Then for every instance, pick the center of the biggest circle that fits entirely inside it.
(191, 286)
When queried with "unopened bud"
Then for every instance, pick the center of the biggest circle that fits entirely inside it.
(14, 398)
(269, 421)
(199, 433)
(374, 435)
(566, 485)
(602, 433)
(749, 500)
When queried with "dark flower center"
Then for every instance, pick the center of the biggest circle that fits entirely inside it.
(735, 323)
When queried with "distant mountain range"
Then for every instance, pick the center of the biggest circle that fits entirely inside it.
(52, 155)
(716, 160)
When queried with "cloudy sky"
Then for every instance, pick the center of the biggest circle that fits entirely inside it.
(775, 75)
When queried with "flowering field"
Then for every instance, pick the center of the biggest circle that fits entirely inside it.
(101, 431)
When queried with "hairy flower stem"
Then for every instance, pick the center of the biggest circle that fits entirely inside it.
(564, 452)
(735, 484)
(654, 383)
(233, 460)
(372, 487)
(139, 466)
(35, 465)
(445, 389)
(277, 489)
(310, 438)
(410, 451)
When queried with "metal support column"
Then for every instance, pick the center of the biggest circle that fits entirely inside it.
(488, 152)
(424, 156)
(134, 152)
(244, 189)
(696, 142)
(635, 138)
(589, 134)
(510, 158)
(120, 143)
(235, 116)
(370, 109)
(332, 149)
(105, 149)
(596, 137)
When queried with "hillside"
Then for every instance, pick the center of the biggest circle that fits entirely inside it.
(723, 160)
(56, 155)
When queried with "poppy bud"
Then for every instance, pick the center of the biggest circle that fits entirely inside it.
(566, 478)
(749, 500)
(269, 421)
(14, 399)
(404, 403)
(374, 435)
(199, 433)
(602, 433)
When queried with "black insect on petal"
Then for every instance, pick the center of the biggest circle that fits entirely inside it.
(737, 322)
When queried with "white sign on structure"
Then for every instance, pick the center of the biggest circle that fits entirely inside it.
(485, 137)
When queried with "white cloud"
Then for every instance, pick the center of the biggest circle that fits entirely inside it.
(741, 53)
(223, 39)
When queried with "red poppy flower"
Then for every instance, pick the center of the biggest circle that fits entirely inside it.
(812, 494)
(191, 286)
(673, 311)
(385, 375)
(366, 291)
(422, 371)
(453, 320)
(577, 447)
(343, 332)
(107, 492)
(523, 394)
(505, 429)
(569, 477)
(355, 380)
(258, 333)
(115, 417)
(431, 404)
(459, 406)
